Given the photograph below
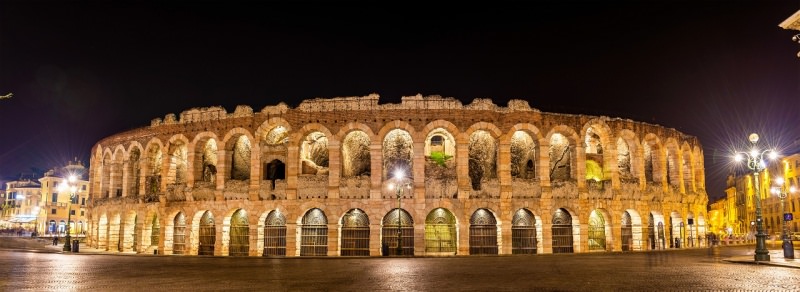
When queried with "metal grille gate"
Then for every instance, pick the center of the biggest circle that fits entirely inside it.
(355, 233)
(562, 232)
(137, 231)
(275, 234)
(482, 233)
(208, 235)
(597, 231)
(390, 232)
(440, 232)
(627, 232)
(154, 232)
(179, 235)
(314, 234)
(523, 233)
(240, 234)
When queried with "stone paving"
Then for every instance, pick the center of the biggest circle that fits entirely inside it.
(39, 266)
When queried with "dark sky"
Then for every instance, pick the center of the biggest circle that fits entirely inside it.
(81, 71)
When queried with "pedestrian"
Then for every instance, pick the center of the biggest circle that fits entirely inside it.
(55, 240)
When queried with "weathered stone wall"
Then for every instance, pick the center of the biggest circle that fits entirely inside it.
(339, 154)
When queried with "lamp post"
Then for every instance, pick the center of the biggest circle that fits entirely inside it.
(780, 190)
(399, 175)
(69, 184)
(755, 162)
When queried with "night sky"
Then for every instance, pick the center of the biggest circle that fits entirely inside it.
(80, 71)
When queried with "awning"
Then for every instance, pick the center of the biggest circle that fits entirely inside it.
(22, 219)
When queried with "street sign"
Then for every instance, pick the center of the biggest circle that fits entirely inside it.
(787, 216)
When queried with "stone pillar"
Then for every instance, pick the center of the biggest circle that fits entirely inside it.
(292, 170)
(256, 167)
(462, 166)
(224, 158)
(334, 168)
(376, 170)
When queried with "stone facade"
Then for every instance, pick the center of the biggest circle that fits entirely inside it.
(320, 179)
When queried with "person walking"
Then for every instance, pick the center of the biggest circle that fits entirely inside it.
(55, 240)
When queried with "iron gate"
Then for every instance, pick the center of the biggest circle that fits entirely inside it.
(314, 234)
(355, 233)
(179, 235)
(651, 233)
(482, 233)
(155, 229)
(208, 235)
(562, 232)
(275, 234)
(397, 221)
(523, 233)
(597, 231)
(240, 234)
(627, 232)
(440, 231)
(137, 231)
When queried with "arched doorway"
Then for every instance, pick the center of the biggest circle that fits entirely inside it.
(597, 231)
(178, 234)
(240, 234)
(275, 234)
(440, 232)
(398, 222)
(627, 232)
(137, 233)
(523, 233)
(482, 233)
(314, 234)
(208, 234)
(155, 229)
(651, 233)
(355, 233)
(562, 232)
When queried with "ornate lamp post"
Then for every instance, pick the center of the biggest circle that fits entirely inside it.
(70, 184)
(755, 162)
(780, 190)
(399, 175)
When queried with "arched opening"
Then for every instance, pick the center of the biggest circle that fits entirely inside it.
(397, 224)
(523, 233)
(523, 156)
(275, 234)
(314, 234)
(482, 158)
(561, 157)
(155, 230)
(208, 164)
(482, 233)
(137, 234)
(355, 155)
(627, 232)
(595, 169)
(397, 153)
(134, 172)
(153, 174)
(355, 233)
(440, 165)
(314, 154)
(274, 170)
(597, 231)
(624, 165)
(440, 232)
(240, 159)
(208, 234)
(562, 232)
(240, 234)
(178, 234)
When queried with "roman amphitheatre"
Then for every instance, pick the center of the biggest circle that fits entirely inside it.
(429, 176)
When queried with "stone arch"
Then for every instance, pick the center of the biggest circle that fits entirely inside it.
(204, 233)
(102, 232)
(657, 231)
(673, 161)
(599, 151)
(116, 175)
(238, 154)
(105, 181)
(133, 170)
(633, 233)
(397, 233)
(524, 148)
(526, 232)
(151, 232)
(561, 145)
(236, 233)
(128, 232)
(314, 233)
(314, 142)
(483, 153)
(398, 153)
(653, 159)
(599, 232)
(483, 232)
(563, 228)
(263, 131)
(699, 168)
(687, 168)
(204, 165)
(356, 158)
(181, 243)
(354, 233)
(274, 225)
(628, 157)
(152, 168)
(441, 235)
(441, 164)
(177, 164)
(676, 230)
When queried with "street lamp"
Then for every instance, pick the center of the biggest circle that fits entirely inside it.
(780, 190)
(755, 162)
(70, 184)
(399, 175)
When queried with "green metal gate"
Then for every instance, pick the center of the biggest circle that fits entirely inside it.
(597, 231)
(240, 234)
(440, 232)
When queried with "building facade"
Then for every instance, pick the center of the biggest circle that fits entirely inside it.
(57, 201)
(21, 206)
(429, 176)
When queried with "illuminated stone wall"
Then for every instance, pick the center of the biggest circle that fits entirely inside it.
(341, 154)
